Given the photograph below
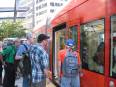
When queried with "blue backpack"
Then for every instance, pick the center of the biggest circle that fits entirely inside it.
(70, 65)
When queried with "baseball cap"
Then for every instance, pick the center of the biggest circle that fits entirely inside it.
(42, 37)
(70, 42)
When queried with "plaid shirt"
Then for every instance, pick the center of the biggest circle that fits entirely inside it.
(39, 61)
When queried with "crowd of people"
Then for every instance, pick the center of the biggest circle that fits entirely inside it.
(33, 61)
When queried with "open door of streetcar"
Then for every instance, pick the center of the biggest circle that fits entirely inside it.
(60, 34)
(112, 79)
(92, 54)
(59, 37)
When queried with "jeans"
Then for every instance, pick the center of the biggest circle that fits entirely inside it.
(70, 81)
(9, 77)
(26, 81)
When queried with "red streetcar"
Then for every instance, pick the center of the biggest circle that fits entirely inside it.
(92, 23)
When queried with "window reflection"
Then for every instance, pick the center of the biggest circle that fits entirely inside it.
(113, 47)
(92, 46)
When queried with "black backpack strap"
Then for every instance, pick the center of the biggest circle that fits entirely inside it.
(25, 47)
(26, 62)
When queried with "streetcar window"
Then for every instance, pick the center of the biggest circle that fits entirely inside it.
(113, 47)
(73, 34)
(92, 46)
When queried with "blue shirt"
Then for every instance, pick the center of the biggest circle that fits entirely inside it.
(22, 49)
(40, 61)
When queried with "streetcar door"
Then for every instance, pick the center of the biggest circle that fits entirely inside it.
(59, 37)
(112, 80)
(92, 54)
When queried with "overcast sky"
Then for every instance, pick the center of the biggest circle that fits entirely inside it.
(7, 3)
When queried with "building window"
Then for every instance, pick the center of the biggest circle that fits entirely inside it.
(40, 7)
(37, 1)
(37, 14)
(44, 5)
(42, 12)
(56, 4)
(51, 10)
(61, 4)
(37, 8)
(51, 4)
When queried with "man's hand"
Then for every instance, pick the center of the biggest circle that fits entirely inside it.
(48, 73)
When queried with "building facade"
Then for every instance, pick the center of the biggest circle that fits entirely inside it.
(39, 11)
(44, 9)
(29, 14)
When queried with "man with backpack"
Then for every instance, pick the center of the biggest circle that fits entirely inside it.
(69, 62)
(24, 63)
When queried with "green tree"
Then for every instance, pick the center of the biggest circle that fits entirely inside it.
(11, 29)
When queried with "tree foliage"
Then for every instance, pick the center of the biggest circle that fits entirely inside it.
(11, 29)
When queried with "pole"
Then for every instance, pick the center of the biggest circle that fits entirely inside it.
(15, 11)
(33, 13)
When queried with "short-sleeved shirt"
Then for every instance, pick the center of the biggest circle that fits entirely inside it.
(22, 49)
(40, 61)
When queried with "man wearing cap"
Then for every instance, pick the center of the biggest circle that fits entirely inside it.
(40, 61)
(69, 68)
(24, 48)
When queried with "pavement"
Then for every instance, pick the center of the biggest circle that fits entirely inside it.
(48, 83)
(18, 82)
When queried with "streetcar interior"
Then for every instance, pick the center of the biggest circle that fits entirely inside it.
(92, 46)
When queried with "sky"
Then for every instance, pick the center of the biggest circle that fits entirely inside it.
(6, 3)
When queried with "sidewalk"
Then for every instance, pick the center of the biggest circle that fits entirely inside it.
(48, 83)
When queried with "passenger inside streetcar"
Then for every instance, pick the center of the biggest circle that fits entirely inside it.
(98, 58)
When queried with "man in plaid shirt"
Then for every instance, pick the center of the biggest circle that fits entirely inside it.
(39, 61)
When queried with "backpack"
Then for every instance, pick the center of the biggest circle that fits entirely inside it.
(26, 62)
(70, 65)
